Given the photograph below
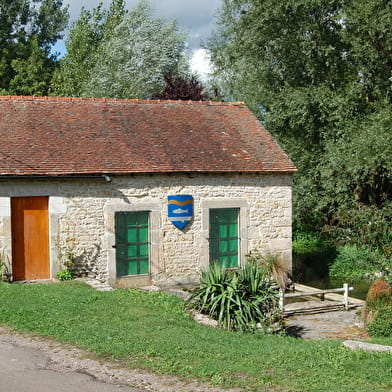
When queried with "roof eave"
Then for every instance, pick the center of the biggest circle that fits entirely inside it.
(103, 175)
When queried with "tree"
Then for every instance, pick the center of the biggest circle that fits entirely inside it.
(134, 59)
(122, 54)
(83, 45)
(28, 29)
(33, 73)
(368, 30)
(280, 55)
(318, 74)
(182, 88)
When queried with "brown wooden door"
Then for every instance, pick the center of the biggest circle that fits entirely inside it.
(30, 238)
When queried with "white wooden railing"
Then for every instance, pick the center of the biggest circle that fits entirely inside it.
(345, 290)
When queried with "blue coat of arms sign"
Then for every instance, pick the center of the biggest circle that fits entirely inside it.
(180, 210)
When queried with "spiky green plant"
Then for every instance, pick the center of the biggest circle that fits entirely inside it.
(245, 300)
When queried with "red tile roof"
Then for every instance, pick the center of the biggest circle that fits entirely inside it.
(83, 136)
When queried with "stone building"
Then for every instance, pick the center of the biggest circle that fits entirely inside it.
(140, 192)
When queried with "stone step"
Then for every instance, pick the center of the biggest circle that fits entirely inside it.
(354, 345)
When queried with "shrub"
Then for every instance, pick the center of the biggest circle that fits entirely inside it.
(379, 293)
(355, 261)
(64, 274)
(364, 225)
(307, 243)
(245, 300)
(382, 324)
(378, 312)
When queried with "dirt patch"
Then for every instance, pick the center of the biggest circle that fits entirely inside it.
(341, 324)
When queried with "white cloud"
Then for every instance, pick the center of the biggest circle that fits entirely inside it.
(201, 63)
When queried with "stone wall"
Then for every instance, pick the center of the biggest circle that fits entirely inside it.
(82, 215)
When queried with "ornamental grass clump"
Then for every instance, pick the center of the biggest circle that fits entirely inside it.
(378, 312)
(380, 292)
(240, 300)
(271, 265)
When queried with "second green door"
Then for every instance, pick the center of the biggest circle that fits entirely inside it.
(224, 239)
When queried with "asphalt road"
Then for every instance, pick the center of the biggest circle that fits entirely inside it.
(26, 369)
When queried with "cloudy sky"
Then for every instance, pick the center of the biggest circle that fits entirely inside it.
(195, 16)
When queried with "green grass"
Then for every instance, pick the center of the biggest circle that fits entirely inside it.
(381, 340)
(153, 331)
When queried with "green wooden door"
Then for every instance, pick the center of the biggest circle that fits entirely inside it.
(132, 243)
(224, 236)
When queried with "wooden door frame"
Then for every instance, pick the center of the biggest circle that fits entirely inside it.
(156, 264)
(214, 241)
(117, 228)
(243, 223)
(39, 209)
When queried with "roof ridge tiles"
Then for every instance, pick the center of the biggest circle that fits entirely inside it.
(125, 100)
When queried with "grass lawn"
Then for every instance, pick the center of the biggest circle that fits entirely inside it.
(153, 331)
(382, 340)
